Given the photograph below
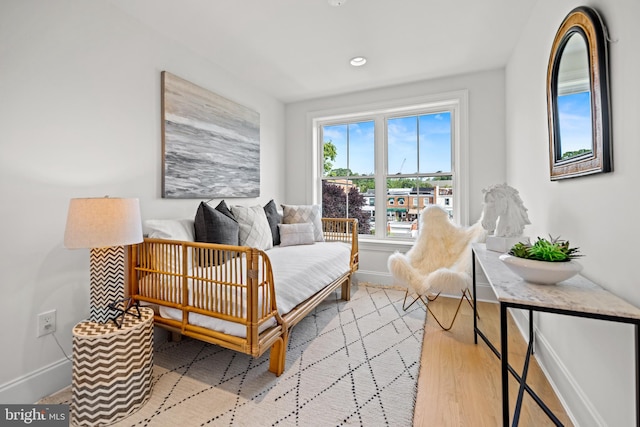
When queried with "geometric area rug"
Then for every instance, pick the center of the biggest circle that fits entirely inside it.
(348, 363)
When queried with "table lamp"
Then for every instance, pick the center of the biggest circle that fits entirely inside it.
(104, 225)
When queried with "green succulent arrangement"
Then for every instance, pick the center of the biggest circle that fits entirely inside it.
(554, 250)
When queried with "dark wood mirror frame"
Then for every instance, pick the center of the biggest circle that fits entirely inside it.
(586, 22)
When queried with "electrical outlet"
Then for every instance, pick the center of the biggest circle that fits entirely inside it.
(46, 323)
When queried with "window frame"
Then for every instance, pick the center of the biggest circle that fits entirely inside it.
(456, 102)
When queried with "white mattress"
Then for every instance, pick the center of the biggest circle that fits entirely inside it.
(298, 273)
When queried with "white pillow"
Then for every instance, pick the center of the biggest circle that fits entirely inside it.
(296, 234)
(293, 214)
(255, 231)
(171, 229)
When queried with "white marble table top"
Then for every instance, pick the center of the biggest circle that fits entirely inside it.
(577, 294)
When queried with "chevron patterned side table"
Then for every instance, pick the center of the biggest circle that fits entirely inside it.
(111, 369)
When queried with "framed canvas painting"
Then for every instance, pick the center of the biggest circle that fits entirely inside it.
(210, 145)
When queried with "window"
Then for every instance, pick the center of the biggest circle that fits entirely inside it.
(384, 166)
(419, 162)
(348, 154)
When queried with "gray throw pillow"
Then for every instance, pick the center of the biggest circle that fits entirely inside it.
(223, 208)
(274, 218)
(216, 225)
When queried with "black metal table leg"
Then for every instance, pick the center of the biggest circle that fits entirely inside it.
(523, 383)
(505, 364)
(475, 298)
(638, 374)
(531, 336)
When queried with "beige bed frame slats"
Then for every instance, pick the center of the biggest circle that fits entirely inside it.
(231, 283)
(343, 230)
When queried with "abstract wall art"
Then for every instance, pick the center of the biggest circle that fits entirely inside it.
(210, 144)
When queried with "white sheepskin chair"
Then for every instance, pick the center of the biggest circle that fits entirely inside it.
(439, 261)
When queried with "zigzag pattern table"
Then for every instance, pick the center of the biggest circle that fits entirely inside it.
(111, 369)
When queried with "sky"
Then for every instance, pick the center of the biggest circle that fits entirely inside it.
(429, 135)
(574, 117)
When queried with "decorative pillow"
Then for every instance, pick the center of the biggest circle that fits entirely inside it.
(216, 226)
(223, 208)
(170, 229)
(296, 234)
(254, 227)
(274, 218)
(305, 213)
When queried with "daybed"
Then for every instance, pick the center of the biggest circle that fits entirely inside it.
(241, 297)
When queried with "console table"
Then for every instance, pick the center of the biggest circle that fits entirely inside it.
(577, 296)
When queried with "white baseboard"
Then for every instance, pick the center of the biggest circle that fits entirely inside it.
(35, 385)
(573, 399)
(485, 293)
(374, 277)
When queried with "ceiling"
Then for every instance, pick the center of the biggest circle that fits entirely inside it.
(300, 49)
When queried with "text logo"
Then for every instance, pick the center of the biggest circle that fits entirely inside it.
(34, 415)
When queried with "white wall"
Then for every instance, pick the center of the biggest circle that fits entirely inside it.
(80, 117)
(591, 362)
(486, 145)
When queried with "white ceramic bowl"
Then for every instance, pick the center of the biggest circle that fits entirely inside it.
(541, 272)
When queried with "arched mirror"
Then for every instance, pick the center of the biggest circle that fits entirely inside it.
(578, 97)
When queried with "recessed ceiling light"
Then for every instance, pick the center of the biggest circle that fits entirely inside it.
(358, 61)
(337, 3)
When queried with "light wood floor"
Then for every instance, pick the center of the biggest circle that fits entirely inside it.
(460, 383)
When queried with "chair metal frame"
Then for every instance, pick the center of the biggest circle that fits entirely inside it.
(466, 294)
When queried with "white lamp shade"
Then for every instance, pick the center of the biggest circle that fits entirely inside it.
(103, 222)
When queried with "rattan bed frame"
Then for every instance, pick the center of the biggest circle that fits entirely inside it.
(164, 266)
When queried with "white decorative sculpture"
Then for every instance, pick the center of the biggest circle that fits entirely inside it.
(504, 217)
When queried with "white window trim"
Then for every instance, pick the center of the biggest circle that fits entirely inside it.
(458, 101)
